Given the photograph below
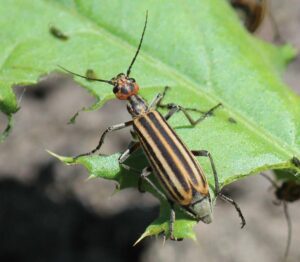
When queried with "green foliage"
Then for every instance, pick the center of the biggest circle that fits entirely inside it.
(198, 48)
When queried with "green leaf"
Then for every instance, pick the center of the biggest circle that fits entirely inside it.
(198, 48)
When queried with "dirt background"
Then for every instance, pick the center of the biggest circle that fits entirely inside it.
(50, 212)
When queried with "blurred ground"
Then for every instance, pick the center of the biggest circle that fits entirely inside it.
(50, 212)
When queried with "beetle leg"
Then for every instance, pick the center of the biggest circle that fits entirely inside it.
(163, 96)
(213, 167)
(217, 186)
(289, 225)
(172, 221)
(171, 105)
(173, 108)
(144, 176)
(132, 148)
(156, 101)
(177, 108)
(124, 156)
(145, 172)
(237, 208)
(108, 130)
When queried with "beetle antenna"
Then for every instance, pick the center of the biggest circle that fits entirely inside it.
(139, 47)
(85, 77)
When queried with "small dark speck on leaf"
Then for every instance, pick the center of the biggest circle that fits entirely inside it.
(57, 33)
(231, 120)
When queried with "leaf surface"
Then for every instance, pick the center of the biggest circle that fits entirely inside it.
(199, 49)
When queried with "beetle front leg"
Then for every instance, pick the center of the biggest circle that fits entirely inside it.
(217, 186)
(172, 221)
(174, 108)
(177, 108)
(167, 106)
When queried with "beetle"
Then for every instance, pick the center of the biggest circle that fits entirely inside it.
(253, 12)
(175, 167)
(286, 192)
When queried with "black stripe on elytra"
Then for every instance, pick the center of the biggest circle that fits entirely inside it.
(192, 175)
(162, 172)
(154, 161)
(166, 155)
(170, 141)
(159, 171)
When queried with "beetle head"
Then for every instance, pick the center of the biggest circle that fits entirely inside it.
(124, 86)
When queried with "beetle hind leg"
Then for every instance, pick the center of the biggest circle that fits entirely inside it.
(205, 153)
(236, 206)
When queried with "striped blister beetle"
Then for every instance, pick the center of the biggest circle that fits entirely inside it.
(253, 13)
(173, 164)
(286, 192)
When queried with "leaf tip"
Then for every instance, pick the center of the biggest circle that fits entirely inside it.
(144, 235)
(66, 160)
(289, 52)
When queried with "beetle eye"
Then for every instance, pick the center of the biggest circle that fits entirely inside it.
(132, 80)
(119, 75)
(115, 89)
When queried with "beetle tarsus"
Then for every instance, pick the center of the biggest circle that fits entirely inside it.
(237, 208)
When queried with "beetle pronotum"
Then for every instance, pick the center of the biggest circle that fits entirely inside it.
(175, 167)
